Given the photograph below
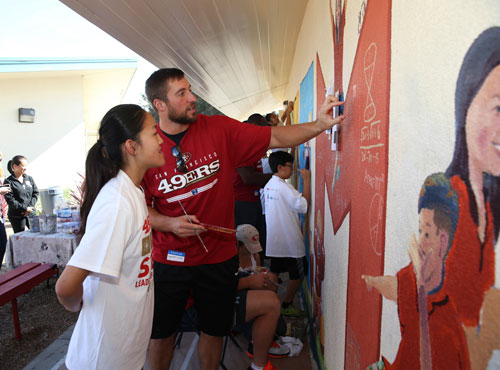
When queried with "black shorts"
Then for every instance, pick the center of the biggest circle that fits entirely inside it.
(296, 267)
(213, 288)
(240, 308)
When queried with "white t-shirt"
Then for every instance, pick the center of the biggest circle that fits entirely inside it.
(282, 207)
(280, 150)
(266, 168)
(114, 326)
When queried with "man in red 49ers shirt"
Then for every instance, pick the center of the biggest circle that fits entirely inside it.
(194, 186)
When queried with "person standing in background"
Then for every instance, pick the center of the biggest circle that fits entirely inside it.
(1, 169)
(247, 182)
(285, 242)
(273, 119)
(23, 195)
(3, 214)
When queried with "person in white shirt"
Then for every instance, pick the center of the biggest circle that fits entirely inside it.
(110, 276)
(285, 242)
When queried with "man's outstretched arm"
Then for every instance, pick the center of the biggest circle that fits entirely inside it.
(290, 136)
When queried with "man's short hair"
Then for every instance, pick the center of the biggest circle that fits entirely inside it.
(269, 115)
(438, 195)
(257, 119)
(156, 87)
(279, 158)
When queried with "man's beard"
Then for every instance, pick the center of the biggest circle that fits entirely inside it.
(181, 118)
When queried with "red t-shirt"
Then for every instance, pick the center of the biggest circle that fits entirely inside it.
(213, 147)
(243, 192)
(470, 265)
(448, 344)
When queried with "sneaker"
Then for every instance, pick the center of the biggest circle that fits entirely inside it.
(291, 311)
(269, 366)
(276, 350)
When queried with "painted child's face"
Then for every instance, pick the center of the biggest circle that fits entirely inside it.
(433, 247)
(482, 127)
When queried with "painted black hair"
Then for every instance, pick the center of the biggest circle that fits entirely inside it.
(279, 158)
(105, 158)
(16, 160)
(481, 58)
(156, 83)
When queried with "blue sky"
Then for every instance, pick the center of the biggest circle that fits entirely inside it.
(48, 28)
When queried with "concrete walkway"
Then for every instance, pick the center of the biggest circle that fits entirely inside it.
(52, 358)
(185, 357)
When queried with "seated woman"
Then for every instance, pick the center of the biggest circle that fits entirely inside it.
(257, 301)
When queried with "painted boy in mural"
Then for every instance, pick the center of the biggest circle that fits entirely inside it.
(421, 287)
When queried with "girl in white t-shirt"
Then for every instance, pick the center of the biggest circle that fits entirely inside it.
(110, 276)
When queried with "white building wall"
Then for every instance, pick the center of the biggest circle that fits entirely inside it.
(54, 143)
(69, 107)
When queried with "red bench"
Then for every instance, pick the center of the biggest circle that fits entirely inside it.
(21, 280)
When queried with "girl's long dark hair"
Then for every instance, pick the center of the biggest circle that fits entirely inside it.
(14, 161)
(105, 158)
(481, 58)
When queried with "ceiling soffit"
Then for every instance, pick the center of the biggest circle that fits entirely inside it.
(237, 54)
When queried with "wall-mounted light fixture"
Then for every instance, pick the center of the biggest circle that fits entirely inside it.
(26, 115)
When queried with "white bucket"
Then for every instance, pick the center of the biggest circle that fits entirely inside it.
(49, 198)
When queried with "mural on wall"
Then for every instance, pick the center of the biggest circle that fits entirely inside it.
(306, 108)
(305, 114)
(447, 302)
(447, 297)
(317, 253)
(355, 175)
